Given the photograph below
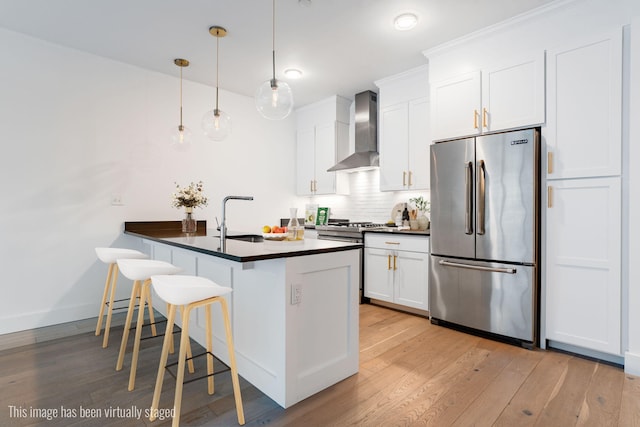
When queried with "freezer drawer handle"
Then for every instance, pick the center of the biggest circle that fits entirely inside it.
(478, 267)
(468, 197)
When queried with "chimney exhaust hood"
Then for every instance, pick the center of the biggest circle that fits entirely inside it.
(366, 135)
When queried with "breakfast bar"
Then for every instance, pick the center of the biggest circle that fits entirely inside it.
(294, 305)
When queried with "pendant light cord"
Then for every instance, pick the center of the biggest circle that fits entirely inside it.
(273, 41)
(181, 127)
(217, 71)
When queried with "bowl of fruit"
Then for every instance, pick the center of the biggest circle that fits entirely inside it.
(274, 233)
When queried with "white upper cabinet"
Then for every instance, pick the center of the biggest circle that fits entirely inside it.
(403, 137)
(584, 80)
(455, 105)
(513, 93)
(322, 140)
(503, 96)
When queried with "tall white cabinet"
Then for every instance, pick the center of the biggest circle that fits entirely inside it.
(322, 139)
(404, 137)
(583, 214)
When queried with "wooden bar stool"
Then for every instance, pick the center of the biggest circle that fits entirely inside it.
(192, 292)
(110, 256)
(140, 271)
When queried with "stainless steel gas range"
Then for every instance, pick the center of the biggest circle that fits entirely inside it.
(346, 231)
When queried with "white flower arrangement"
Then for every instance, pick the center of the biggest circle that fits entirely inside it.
(189, 197)
(421, 204)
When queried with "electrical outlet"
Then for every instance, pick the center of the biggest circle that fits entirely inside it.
(116, 200)
(296, 294)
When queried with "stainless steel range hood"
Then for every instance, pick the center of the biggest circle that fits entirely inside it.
(366, 132)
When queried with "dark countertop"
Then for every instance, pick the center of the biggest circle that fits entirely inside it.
(207, 241)
(394, 230)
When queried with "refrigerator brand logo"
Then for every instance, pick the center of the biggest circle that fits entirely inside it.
(519, 141)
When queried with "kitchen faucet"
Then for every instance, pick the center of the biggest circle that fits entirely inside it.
(223, 224)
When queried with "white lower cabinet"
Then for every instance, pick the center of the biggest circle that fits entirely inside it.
(397, 269)
(583, 263)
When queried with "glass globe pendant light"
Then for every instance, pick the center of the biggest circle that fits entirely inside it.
(216, 123)
(181, 135)
(274, 99)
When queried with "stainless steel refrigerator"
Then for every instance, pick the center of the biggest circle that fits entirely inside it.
(485, 210)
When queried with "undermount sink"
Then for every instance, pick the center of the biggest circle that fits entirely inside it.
(253, 238)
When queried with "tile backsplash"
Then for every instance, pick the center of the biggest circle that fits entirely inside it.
(366, 202)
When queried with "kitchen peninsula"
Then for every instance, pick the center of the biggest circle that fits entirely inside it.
(294, 305)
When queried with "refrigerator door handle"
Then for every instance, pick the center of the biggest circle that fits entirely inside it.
(468, 197)
(481, 197)
(477, 267)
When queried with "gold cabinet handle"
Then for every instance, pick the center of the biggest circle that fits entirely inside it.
(395, 265)
(392, 243)
(550, 162)
(404, 178)
(484, 118)
(388, 262)
(410, 174)
(475, 119)
(549, 196)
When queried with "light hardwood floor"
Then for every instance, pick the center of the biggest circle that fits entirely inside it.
(411, 373)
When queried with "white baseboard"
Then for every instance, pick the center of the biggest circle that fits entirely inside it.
(632, 363)
(34, 320)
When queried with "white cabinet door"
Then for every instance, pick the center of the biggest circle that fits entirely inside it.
(404, 146)
(513, 93)
(419, 142)
(455, 105)
(325, 157)
(305, 161)
(411, 279)
(584, 108)
(394, 147)
(583, 262)
(378, 274)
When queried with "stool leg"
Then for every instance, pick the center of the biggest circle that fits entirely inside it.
(163, 362)
(232, 360)
(107, 326)
(189, 354)
(184, 344)
(135, 292)
(169, 332)
(209, 332)
(105, 293)
(136, 341)
(146, 288)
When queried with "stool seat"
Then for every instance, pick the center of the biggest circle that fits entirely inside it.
(182, 289)
(111, 255)
(142, 269)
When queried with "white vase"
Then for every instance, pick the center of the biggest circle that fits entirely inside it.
(423, 222)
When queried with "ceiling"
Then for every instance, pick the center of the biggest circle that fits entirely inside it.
(342, 46)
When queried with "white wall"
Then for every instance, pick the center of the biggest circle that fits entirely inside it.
(76, 129)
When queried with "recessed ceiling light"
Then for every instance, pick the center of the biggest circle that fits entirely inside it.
(405, 21)
(293, 73)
